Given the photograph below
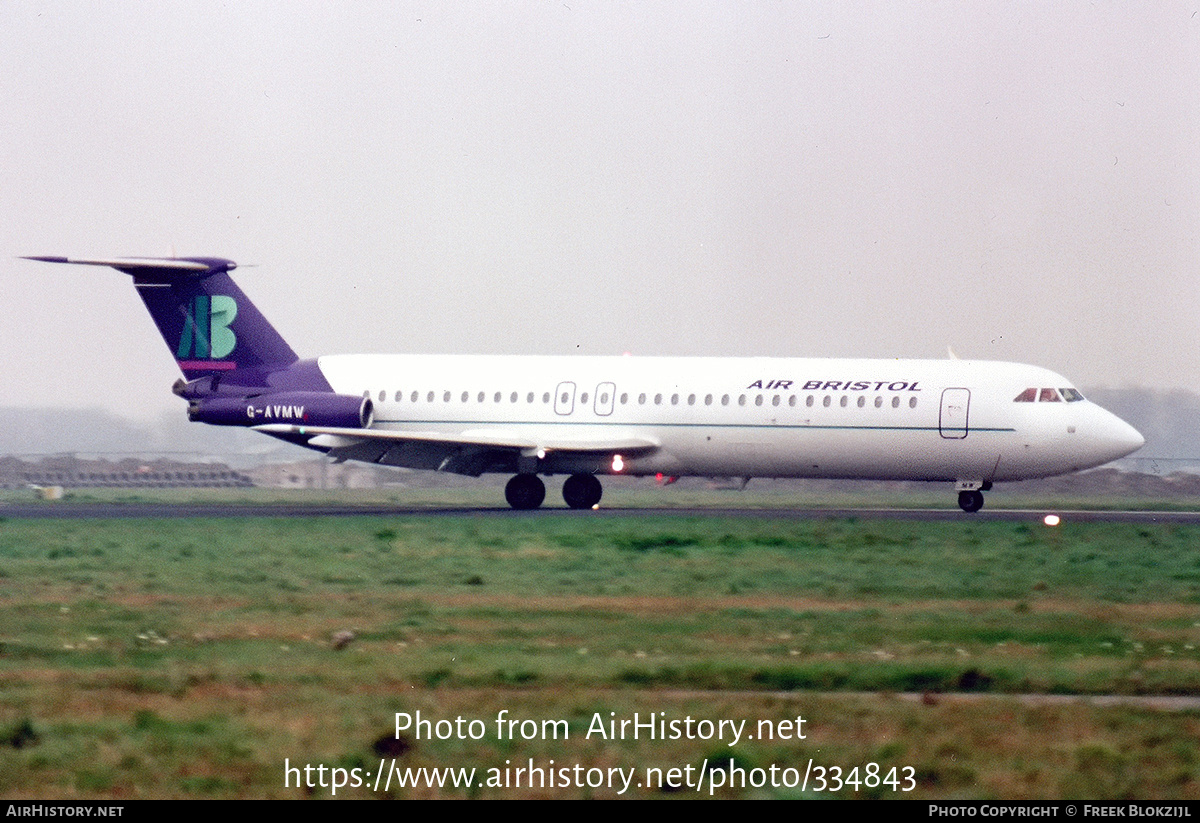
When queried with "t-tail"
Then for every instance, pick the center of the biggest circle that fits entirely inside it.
(237, 369)
(207, 322)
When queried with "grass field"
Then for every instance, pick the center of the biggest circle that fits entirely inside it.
(190, 658)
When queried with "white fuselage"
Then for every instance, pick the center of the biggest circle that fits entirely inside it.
(955, 420)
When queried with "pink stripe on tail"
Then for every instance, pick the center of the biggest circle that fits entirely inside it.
(207, 365)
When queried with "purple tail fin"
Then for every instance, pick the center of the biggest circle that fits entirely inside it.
(209, 324)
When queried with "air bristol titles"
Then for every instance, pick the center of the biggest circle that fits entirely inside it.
(970, 423)
(836, 385)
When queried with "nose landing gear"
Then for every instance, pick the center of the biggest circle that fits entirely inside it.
(970, 494)
(970, 501)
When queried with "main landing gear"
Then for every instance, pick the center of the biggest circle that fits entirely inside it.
(582, 491)
(527, 491)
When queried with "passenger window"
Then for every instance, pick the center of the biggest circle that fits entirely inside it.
(446, 397)
(529, 398)
(708, 399)
(496, 399)
(429, 398)
(878, 402)
(642, 399)
(513, 398)
(809, 401)
(775, 400)
(481, 397)
(741, 399)
(758, 400)
(1049, 396)
(399, 396)
(624, 398)
(912, 402)
(546, 397)
(691, 399)
(674, 400)
(844, 401)
(827, 401)
(1027, 396)
(895, 402)
(724, 400)
(792, 400)
(862, 401)
(366, 394)
(658, 399)
(466, 396)
(414, 397)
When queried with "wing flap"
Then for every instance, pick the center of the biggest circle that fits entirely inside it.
(339, 439)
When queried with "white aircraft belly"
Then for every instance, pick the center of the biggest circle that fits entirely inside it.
(812, 451)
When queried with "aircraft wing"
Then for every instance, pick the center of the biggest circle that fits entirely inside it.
(464, 453)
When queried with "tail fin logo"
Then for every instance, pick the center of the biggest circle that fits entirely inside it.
(206, 333)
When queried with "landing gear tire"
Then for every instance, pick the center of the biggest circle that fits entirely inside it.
(525, 491)
(970, 501)
(582, 491)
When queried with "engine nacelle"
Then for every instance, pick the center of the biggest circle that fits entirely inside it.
(298, 407)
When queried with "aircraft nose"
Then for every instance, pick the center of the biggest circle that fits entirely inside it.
(1117, 438)
(1134, 439)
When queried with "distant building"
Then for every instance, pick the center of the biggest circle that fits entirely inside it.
(318, 474)
(70, 472)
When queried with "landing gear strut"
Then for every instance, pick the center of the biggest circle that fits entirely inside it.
(525, 491)
(582, 491)
(970, 501)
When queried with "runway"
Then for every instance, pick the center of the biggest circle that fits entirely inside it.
(110, 511)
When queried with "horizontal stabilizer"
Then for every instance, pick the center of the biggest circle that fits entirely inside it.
(147, 265)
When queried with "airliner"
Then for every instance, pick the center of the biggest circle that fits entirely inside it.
(966, 422)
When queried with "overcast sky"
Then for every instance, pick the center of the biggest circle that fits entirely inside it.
(1020, 181)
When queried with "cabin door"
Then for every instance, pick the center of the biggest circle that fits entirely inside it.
(956, 407)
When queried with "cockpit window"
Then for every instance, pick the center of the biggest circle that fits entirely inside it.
(1036, 395)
